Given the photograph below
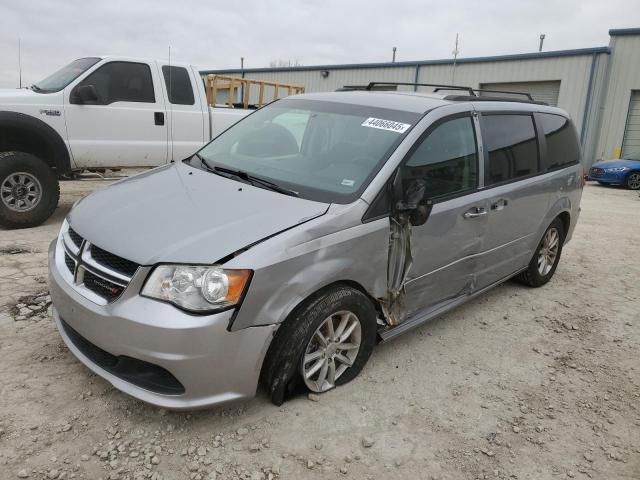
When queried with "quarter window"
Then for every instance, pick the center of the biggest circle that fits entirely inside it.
(562, 143)
(178, 85)
(122, 82)
(511, 143)
(446, 159)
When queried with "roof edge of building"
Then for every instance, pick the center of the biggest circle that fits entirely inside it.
(448, 61)
(616, 32)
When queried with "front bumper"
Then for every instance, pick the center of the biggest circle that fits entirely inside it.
(212, 364)
(604, 176)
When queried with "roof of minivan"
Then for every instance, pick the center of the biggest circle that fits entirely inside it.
(417, 102)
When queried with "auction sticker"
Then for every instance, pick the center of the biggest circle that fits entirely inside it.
(386, 125)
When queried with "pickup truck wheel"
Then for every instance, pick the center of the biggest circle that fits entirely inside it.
(29, 190)
(325, 343)
(546, 257)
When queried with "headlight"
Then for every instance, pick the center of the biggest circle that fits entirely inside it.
(196, 288)
(616, 169)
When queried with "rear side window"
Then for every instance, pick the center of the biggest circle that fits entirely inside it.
(446, 159)
(562, 143)
(512, 147)
(178, 85)
(122, 82)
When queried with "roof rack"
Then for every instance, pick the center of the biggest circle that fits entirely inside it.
(372, 85)
(472, 91)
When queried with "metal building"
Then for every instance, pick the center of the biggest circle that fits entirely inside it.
(599, 87)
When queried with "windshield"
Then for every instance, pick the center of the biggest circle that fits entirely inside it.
(63, 77)
(324, 151)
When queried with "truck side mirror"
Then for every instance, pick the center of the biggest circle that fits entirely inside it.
(86, 94)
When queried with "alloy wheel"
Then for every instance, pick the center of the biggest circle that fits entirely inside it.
(21, 192)
(548, 251)
(331, 350)
(633, 181)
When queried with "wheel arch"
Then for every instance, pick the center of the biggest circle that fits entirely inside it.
(28, 134)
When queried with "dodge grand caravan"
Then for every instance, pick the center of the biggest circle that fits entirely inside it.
(316, 227)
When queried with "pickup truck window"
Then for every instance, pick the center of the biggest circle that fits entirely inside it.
(121, 82)
(325, 151)
(63, 77)
(178, 85)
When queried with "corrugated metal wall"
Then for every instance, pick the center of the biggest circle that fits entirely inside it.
(623, 78)
(314, 81)
(595, 86)
(571, 71)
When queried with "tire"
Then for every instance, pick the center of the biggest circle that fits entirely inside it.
(534, 275)
(29, 190)
(282, 370)
(632, 182)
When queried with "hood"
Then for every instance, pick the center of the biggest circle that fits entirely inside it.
(623, 162)
(181, 214)
(26, 96)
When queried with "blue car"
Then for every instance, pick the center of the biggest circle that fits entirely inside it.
(625, 171)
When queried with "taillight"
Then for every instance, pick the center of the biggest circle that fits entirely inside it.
(583, 181)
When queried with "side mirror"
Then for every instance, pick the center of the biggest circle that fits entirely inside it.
(414, 204)
(86, 94)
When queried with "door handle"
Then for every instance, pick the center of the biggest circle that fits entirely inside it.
(158, 118)
(475, 212)
(500, 204)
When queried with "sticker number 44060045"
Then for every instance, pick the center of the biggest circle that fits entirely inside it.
(386, 125)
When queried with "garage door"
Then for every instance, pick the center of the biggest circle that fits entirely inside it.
(542, 91)
(631, 139)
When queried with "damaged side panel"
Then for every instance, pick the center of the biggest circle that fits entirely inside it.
(400, 261)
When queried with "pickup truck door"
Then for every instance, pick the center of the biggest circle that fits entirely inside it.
(186, 111)
(125, 126)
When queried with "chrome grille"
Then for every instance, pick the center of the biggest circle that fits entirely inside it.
(70, 263)
(100, 286)
(75, 238)
(114, 262)
(97, 274)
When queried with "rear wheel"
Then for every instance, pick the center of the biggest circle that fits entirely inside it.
(633, 181)
(325, 343)
(546, 257)
(29, 190)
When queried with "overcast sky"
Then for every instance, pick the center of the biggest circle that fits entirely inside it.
(213, 34)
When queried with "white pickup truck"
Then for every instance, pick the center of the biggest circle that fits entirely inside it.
(98, 112)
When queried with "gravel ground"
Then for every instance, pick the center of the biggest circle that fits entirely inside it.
(520, 383)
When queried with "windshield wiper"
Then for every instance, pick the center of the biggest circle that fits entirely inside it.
(35, 88)
(242, 175)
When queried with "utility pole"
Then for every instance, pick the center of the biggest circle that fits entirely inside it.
(242, 75)
(20, 62)
(393, 60)
(455, 58)
(542, 35)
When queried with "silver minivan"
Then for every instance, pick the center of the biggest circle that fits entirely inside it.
(320, 225)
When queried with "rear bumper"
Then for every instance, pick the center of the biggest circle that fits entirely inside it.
(147, 338)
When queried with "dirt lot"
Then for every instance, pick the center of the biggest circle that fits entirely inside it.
(521, 383)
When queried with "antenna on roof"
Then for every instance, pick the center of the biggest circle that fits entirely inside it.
(455, 58)
(542, 35)
(393, 59)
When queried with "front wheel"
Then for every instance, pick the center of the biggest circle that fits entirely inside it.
(29, 190)
(325, 343)
(633, 181)
(546, 257)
